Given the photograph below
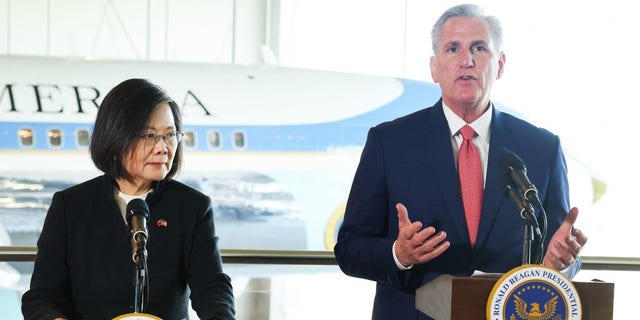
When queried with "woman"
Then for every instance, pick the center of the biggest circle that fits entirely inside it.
(84, 267)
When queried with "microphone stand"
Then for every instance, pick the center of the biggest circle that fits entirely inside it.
(531, 231)
(527, 240)
(542, 234)
(137, 214)
(141, 280)
(530, 228)
(528, 193)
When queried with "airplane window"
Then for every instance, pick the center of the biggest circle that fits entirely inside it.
(238, 139)
(189, 139)
(55, 137)
(214, 139)
(26, 137)
(83, 137)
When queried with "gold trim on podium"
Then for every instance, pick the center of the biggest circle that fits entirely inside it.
(136, 316)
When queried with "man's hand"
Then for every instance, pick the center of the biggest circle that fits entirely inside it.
(566, 243)
(415, 246)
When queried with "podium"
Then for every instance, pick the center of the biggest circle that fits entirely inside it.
(465, 298)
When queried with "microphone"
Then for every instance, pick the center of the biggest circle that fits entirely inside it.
(517, 171)
(526, 210)
(137, 215)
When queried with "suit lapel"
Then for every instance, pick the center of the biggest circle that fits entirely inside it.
(501, 140)
(443, 167)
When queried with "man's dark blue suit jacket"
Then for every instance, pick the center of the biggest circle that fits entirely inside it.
(410, 160)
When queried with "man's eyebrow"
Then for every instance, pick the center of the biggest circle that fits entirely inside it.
(477, 42)
(453, 43)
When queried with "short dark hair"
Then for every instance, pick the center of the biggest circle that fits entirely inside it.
(122, 116)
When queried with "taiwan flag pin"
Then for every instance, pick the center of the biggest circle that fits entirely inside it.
(161, 223)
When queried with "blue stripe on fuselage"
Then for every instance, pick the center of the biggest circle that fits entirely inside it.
(349, 132)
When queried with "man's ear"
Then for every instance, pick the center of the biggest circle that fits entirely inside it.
(501, 61)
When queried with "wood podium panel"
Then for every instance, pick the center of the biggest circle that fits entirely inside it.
(469, 298)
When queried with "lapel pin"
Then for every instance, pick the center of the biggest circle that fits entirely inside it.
(161, 223)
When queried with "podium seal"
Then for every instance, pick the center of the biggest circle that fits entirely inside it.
(534, 292)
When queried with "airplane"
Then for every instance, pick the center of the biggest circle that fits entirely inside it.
(274, 147)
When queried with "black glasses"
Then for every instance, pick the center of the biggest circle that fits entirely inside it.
(171, 139)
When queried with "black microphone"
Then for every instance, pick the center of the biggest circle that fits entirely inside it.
(137, 215)
(526, 210)
(517, 171)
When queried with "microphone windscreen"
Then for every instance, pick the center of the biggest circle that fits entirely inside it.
(511, 160)
(137, 206)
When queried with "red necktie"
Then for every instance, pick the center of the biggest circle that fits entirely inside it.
(470, 171)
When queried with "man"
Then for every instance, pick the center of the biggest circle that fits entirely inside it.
(406, 218)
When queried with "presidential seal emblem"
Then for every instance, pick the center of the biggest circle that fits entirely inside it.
(534, 292)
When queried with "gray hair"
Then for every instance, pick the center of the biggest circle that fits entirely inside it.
(470, 11)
